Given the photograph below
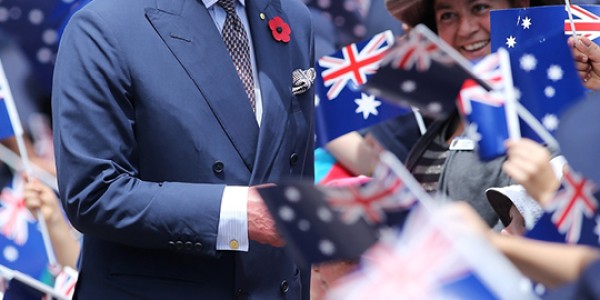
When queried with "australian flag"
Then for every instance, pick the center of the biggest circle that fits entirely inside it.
(543, 69)
(317, 221)
(21, 242)
(423, 71)
(486, 111)
(341, 106)
(313, 231)
(572, 217)
(579, 136)
(37, 26)
(427, 261)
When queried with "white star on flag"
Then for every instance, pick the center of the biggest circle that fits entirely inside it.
(526, 23)
(528, 62)
(549, 92)
(408, 86)
(511, 41)
(550, 121)
(473, 133)
(367, 105)
(555, 73)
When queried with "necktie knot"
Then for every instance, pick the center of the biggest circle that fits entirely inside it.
(227, 5)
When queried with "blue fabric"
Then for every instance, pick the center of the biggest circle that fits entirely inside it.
(6, 129)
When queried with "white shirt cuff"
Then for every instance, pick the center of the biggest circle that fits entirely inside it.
(233, 224)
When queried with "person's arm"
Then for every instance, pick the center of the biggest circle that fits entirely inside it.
(41, 197)
(354, 152)
(587, 61)
(552, 264)
(548, 263)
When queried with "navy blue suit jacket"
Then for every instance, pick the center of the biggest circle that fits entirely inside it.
(151, 121)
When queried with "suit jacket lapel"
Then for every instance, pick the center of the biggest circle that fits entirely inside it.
(273, 60)
(188, 30)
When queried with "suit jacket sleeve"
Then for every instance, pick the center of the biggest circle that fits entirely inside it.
(95, 130)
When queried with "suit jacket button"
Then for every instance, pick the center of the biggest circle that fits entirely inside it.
(179, 245)
(171, 244)
(188, 246)
(198, 246)
(218, 167)
(293, 159)
(284, 287)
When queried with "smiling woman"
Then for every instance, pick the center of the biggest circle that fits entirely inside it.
(435, 160)
(465, 25)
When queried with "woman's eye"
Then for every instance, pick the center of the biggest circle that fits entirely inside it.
(446, 16)
(480, 8)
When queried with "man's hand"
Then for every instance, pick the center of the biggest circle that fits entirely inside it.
(261, 226)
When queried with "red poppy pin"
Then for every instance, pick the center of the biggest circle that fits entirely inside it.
(280, 29)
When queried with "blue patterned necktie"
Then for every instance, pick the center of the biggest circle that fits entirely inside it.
(236, 41)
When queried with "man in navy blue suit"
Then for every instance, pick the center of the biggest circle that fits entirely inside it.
(162, 134)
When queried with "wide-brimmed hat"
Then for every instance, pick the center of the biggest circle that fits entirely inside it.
(502, 199)
(413, 12)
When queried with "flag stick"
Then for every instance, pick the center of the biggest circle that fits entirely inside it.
(512, 119)
(15, 122)
(14, 162)
(408, 179)
(570, 13)
(535, 124)
(419, 118)
(10, 274)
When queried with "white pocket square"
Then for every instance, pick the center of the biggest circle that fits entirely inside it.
(302, 80)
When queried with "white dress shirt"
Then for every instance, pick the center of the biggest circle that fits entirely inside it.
(233, 224)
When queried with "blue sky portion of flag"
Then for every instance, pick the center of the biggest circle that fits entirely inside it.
(542, 65)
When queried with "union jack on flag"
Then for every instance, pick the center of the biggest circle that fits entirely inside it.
(416, 51)
(572, 217)
(385, 193)
(340, 105)
(472, 91)
(587, 25)
(573, 204)
(14, 216)
(354, 64)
